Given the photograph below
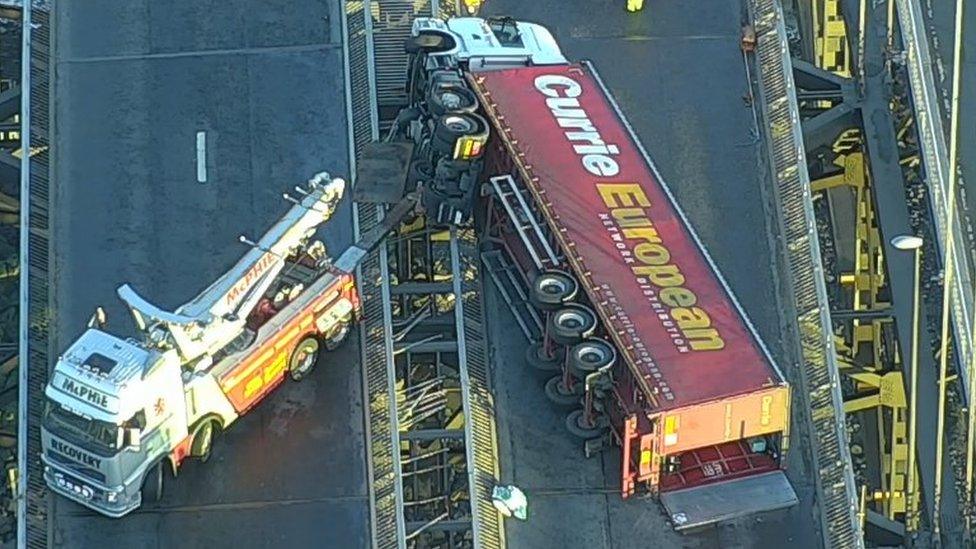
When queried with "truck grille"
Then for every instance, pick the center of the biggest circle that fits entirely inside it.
(69, 464)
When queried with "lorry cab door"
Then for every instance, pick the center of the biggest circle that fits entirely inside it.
(165, 406)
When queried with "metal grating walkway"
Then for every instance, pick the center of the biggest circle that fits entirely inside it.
(820, 380)
(419, 444)
(35, 314)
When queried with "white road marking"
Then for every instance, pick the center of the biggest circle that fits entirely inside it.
(202, 157)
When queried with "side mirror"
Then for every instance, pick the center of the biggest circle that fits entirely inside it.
(133, 437)
(97, 319)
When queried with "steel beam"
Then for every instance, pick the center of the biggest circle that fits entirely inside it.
(893, 219)
(433, 434)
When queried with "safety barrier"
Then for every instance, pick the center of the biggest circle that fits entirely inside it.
(820, 381)
(375, 68)
(35, 309)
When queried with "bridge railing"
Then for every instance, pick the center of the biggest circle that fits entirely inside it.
(819, 376)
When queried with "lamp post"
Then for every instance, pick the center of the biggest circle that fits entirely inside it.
(914, 245)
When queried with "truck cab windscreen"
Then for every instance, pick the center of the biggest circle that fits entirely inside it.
(505, 30)
(96, 435)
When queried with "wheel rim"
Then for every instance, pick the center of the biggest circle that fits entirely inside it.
(207, 432)
(305, 357)
(573, 319)
(459, 124)
(555, 285)
(305, 361)
(453, 100)
(593, 354)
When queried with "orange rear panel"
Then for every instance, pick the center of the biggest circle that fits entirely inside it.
(710, 423)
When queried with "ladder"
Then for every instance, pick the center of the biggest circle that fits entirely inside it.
(512, 288)
(528, 227)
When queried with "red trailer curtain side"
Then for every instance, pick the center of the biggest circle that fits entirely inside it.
(670, 313)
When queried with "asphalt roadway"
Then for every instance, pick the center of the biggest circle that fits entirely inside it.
(678, 74)
(135, 81)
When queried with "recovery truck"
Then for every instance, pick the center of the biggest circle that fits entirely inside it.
(643, 338)
(120, 411)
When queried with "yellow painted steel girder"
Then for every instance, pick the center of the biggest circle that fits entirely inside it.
(831, 47)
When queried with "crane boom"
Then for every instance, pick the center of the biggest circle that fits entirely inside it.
(209, 321)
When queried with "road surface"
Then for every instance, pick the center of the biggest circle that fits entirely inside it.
(679, 76)
(136, 81)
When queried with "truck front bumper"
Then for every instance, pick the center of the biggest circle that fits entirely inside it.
(107, 501)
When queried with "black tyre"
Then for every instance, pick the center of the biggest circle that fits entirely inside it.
(560, 395)
(553, 289)
(203, 439)
(589, 356)
(453, 126)
(572, 324)
(152, 484)
(443, 99)
(339, 334)
(429, 42)
(303, 358)
(535, 355)
(577, 425)
(420, 170)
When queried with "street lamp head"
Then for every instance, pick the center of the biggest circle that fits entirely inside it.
(907, 242)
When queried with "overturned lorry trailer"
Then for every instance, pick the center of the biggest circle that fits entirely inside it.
(654, 353)
(671, 368)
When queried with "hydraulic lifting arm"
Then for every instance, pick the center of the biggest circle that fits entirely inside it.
(215, 317)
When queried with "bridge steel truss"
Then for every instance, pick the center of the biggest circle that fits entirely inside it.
(430, 417)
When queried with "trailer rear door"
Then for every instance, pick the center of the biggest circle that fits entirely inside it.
(704, 505)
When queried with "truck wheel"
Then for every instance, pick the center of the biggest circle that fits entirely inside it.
(420, 171)
(559, 394)
(338, 335)
(572, 324)
(429, 42)
(203, 438)
(453, 126)
(152, 484)
(578, 427)
(303, 358)
(535, 355)
(553, 289)
(591, 355)
(443, 99)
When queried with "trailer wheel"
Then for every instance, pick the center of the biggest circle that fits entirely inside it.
(152, 484)
(203, 439)
(590, 356)
(572, 324)
(577, 425)
(560, 395)
(535, 355)
(553, 289)
(303, 358)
